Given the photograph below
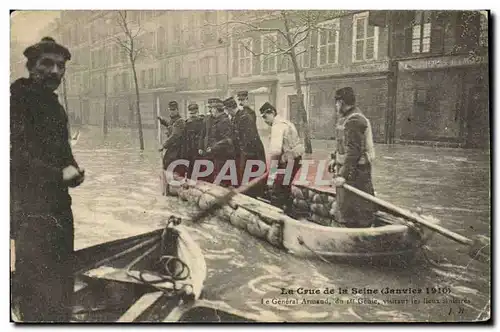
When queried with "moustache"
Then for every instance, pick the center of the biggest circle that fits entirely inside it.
(53, 79)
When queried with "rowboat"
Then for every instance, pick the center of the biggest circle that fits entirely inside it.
(152, 277)
(393, 240)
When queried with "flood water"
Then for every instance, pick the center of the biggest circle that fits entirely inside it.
(121, 197)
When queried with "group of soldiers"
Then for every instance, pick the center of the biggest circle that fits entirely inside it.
(227, 133)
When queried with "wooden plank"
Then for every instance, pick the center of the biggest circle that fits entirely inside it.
(121, 275)
(140, 306)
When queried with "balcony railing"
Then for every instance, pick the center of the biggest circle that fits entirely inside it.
(207, 82)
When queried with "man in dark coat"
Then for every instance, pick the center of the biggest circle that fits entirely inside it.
(216, 143)
(247, 144)
(192, 133)
(42, 169)
(173, 144)
(353, 157)
(242, 97)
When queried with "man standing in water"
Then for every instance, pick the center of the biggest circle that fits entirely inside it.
(173, 144)
(42, 169)
(353, 157)
(192, 133)
(247, 144)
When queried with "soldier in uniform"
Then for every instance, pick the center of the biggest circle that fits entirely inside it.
(247, 143)
(192, 133)
(216, 142)
(353, 157)
(242, 97)
(285, 148)
(173, 144)
(42, 169)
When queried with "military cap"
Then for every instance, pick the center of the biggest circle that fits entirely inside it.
(193, 106)
(346, 94)
(46, 45)
(215, 102)
(230, 103)
(173, 105)
(267, 107)
(242, 93)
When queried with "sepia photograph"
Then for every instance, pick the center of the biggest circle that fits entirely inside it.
(250, 166)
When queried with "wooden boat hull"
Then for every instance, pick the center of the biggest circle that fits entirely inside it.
(394, 242)
(135, 279)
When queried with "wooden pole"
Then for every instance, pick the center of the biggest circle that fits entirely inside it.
(412, 217)
(221, 201)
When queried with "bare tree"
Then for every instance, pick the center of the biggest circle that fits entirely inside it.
(293, 28)
(127, 40)
(105, 113)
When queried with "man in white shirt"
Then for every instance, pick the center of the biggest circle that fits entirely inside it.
(285, 153)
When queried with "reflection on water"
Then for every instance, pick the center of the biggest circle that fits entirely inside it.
(121, 197)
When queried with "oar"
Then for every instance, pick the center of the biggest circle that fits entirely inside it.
(475, 245)
(223, 200)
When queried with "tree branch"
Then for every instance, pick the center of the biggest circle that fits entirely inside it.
(122, 44)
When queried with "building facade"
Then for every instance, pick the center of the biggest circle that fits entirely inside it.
(179, 60)
(442, 77)
(412, 71)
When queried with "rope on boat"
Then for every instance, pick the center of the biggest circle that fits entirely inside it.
(169, 264)
(302, 243)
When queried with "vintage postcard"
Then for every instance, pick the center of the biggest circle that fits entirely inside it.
(250, 166)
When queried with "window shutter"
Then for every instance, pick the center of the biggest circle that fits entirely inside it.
(437, 33)
(256, 58)
(314, 49)
(235, 57)
(408, 35)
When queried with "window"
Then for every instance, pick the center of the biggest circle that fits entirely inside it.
(177, 31)
(268, 57)
(161, 40)
(171, 70)
(328, 42)
(365, 39)
(163, 72)
(116, 83)
(151, 77)
(143, 79)
(421, 32)
(93, 35)
(245, 56)
(209, 28)
(420, 96)
(177, 69)
(125, 81)
(191, 30)
(207, 69)
(483, 34)
(302, 50)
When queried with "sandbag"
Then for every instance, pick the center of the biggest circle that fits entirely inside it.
(274, 235)
(205, 201)
(257, 228)
(320, 220)
(320, 209)
(297, 193)
(240, 218)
